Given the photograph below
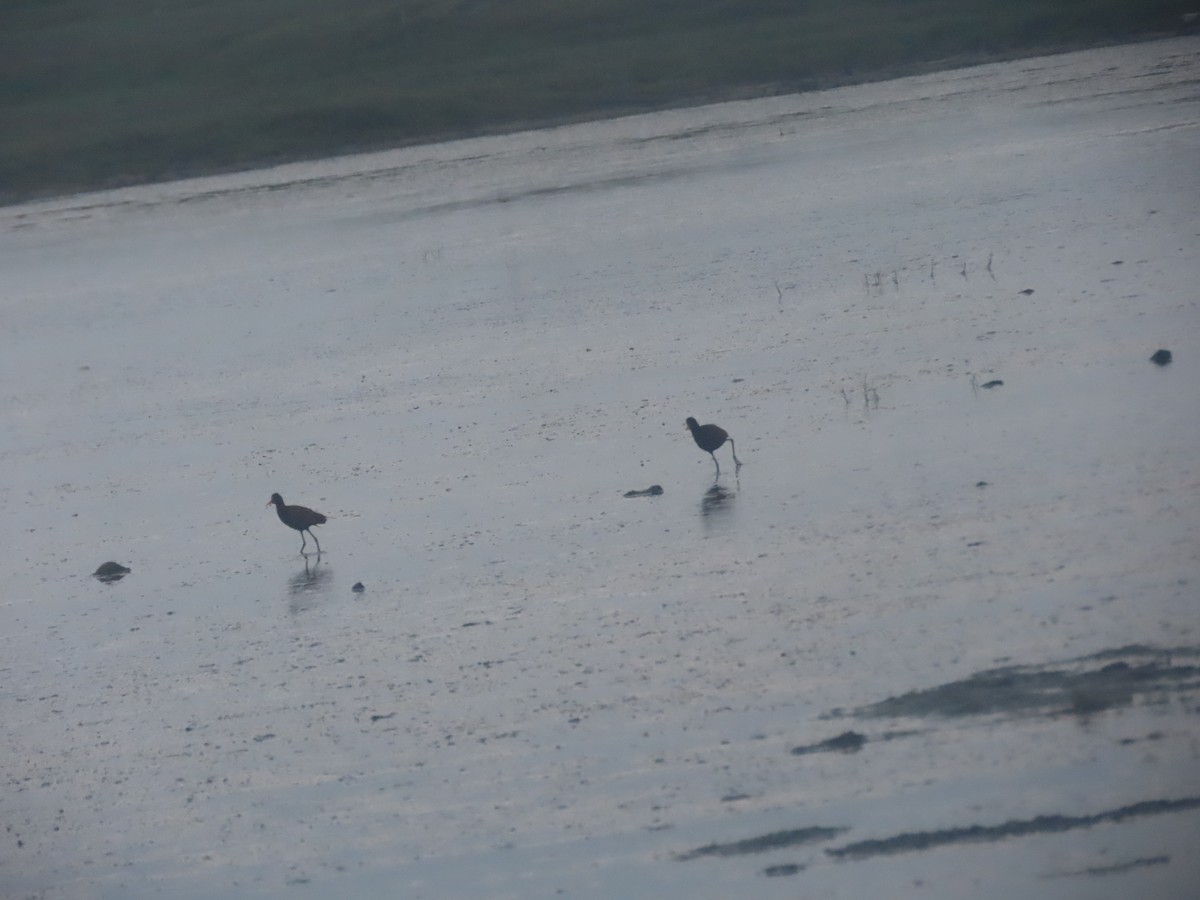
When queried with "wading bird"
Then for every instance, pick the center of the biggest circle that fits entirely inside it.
(299, 517)
(709, 438)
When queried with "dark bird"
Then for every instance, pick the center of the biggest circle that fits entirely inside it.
(299, 517)
(711, 437)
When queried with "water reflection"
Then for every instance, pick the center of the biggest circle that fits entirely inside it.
(716, 500)
(305, 588)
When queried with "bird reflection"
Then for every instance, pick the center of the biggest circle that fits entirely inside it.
(303, 587)
(716, 500)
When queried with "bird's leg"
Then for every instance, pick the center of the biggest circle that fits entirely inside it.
(303, 543)
(715, 463)
(315, 541)
(732, 450)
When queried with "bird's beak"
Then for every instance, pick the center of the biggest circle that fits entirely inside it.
(269, 502)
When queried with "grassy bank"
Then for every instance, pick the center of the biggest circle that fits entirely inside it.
(102, 94)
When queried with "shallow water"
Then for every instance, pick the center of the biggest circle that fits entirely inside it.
(466, 354)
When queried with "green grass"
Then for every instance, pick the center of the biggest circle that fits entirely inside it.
(96, 94)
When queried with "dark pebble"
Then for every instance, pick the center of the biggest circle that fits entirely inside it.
(1161, 357)
(358, 587)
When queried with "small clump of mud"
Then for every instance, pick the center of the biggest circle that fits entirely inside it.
(110, 572)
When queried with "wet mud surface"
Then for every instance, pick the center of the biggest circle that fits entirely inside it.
(935, 637)
(1082, 687)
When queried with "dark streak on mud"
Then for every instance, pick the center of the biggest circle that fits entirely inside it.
(926, 840)
(1083, 686)
(774, 841)
(846, 742)
(1115, 868)
(849, 742)
(653, 491)
(783, 870)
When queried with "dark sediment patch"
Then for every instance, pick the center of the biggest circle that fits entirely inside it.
(775, 840)
(846, 742)
(1161, 357)
(851, 741)
(1115, 868)
(783, 870)
(653, 491)
(1083, 686)
(1050, 824)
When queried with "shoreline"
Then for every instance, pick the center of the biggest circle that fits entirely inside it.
(62, 191)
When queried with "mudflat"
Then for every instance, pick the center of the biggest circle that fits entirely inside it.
(937, 636)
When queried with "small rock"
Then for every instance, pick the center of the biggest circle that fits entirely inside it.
(1161, 357)
(1026, 292)
(110, 572)
(358, 587)
(994, 383)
